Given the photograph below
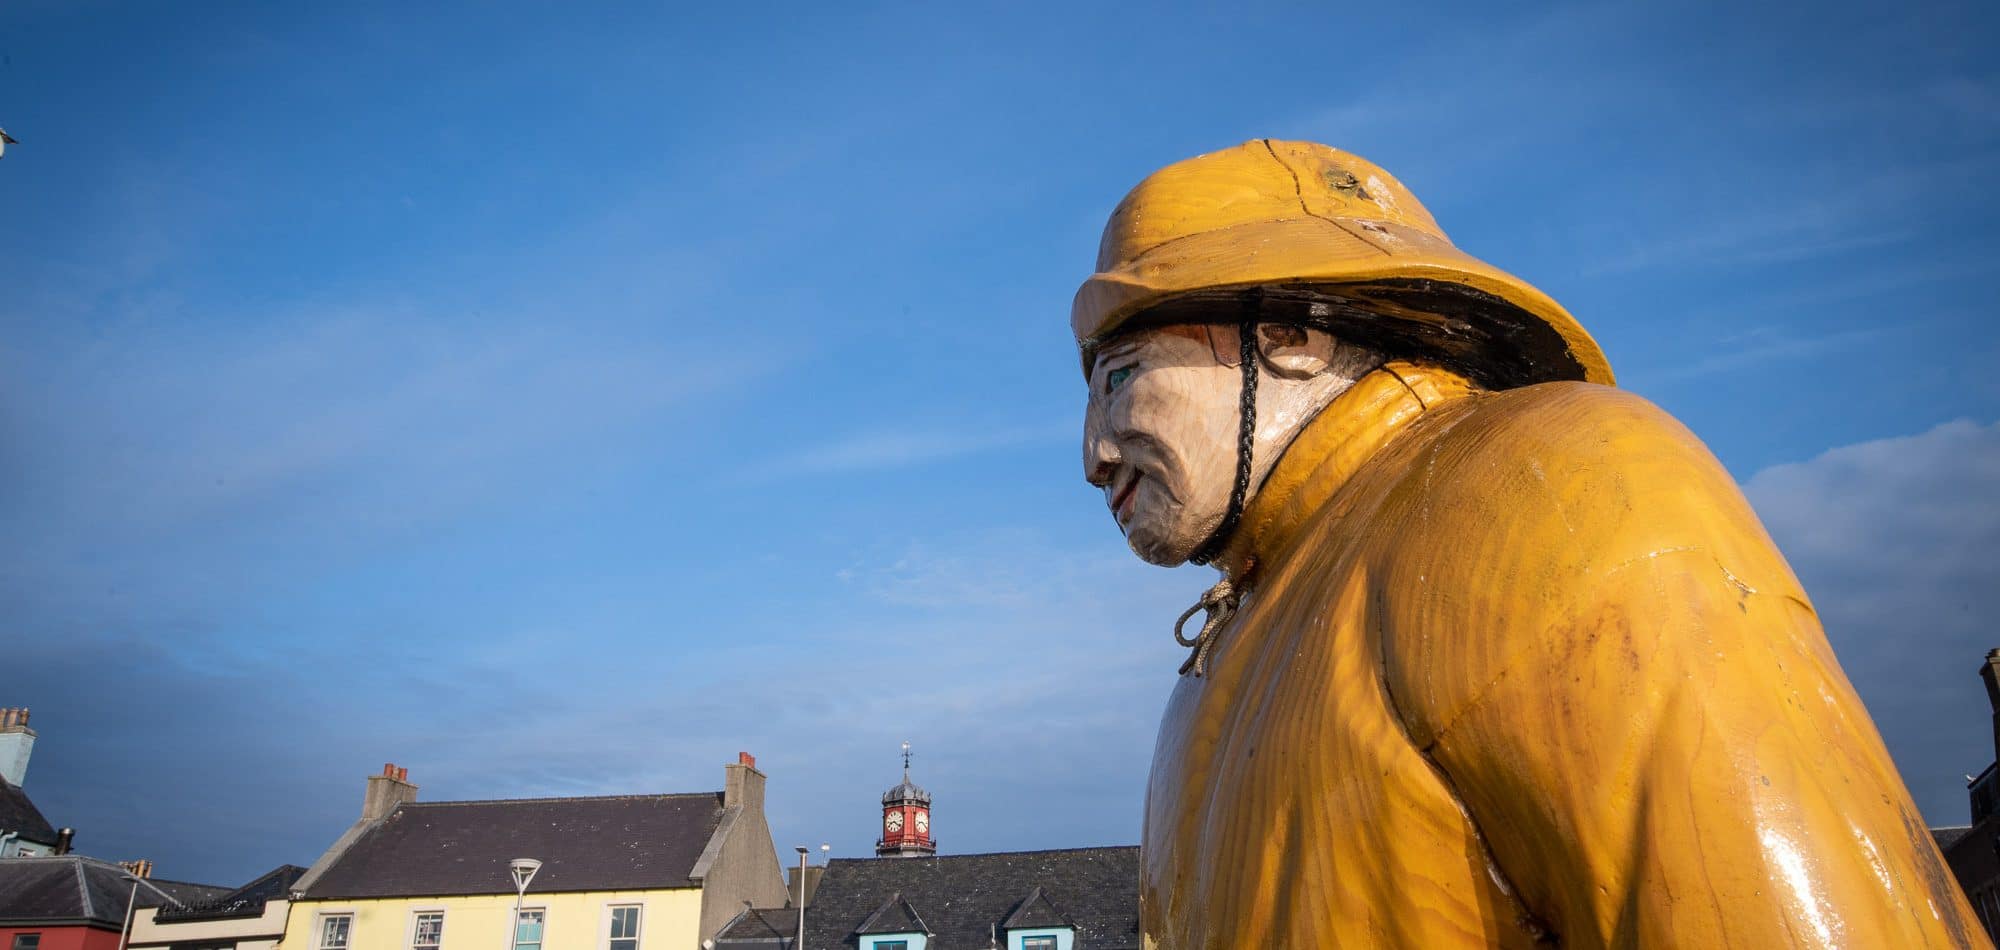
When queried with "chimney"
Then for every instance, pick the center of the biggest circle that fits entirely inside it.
(386, 791)
(743, 784)
(142, 868)
(16, 742)
(813, 873)
(64, 837)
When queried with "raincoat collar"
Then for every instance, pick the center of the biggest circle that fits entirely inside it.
(1328, 451)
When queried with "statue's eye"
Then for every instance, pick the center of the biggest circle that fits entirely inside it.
(1116, 378)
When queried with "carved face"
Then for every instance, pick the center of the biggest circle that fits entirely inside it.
(1160, 438)
(1161, 429)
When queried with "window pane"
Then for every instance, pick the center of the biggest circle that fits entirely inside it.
(892, 945)
(429, 932)
(1038, 943)
(27, 941)
(333, 932)
(624, 928)
(528, 931)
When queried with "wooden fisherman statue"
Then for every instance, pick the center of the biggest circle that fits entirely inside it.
(1500, 655)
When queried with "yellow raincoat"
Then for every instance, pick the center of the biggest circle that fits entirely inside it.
(1517, 667)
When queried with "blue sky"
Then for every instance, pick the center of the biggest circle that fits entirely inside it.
(557, 401)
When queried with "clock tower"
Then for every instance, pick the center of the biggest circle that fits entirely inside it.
(906, 819)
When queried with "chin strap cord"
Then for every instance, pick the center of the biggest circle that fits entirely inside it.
(1219, 603)
(1246, 433)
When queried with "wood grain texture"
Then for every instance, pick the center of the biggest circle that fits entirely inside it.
(1524, 665)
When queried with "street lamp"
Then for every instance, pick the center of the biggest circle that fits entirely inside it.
(797, 940)
(801, 935)
(131, 907)
(524, 871)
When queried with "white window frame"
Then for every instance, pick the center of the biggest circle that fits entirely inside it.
(1064, 937)
(911, 941)
(540, 944)
(611, 923)
(320, 923)
(416, 917)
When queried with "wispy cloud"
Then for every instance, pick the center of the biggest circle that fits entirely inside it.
(900, 448)
(1817, 227)
(1758, 347)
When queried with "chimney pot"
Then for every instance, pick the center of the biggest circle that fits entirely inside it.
(745, 758)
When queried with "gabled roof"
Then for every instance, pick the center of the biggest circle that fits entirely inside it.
(964, 900)
(19, 815)
(72, 889)
(895, 916)
(1035, 911)
(759, 927)
(438, 849)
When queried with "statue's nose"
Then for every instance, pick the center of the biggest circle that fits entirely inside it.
(1100, 458)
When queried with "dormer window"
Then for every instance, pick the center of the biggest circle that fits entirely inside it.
(894, 926)
(1038, 924)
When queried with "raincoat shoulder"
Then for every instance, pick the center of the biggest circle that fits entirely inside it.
(1586, 629)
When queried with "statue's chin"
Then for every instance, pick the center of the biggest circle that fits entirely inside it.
(1164, 545)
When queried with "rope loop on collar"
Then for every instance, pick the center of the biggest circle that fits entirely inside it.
(1219, 604)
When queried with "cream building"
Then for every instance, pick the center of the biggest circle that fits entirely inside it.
(252, 917)
(625, 872)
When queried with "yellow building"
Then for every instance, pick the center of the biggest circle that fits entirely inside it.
(623, 872)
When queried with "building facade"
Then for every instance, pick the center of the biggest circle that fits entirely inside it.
(1974, 851)
(625, 872)
(251, 917)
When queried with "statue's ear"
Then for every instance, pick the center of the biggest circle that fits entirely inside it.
(1293, 352)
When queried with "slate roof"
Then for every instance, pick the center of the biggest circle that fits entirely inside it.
(179, 892)
(1036, 911)
(963, 900)
(245, 901)
(438, 849)
(76, 890)
(759, 928)
(895, 916)
(1949, 835)
(18, 814)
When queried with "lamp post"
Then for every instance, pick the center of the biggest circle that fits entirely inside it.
(131, 906)
(524, 871)
(801, 935)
